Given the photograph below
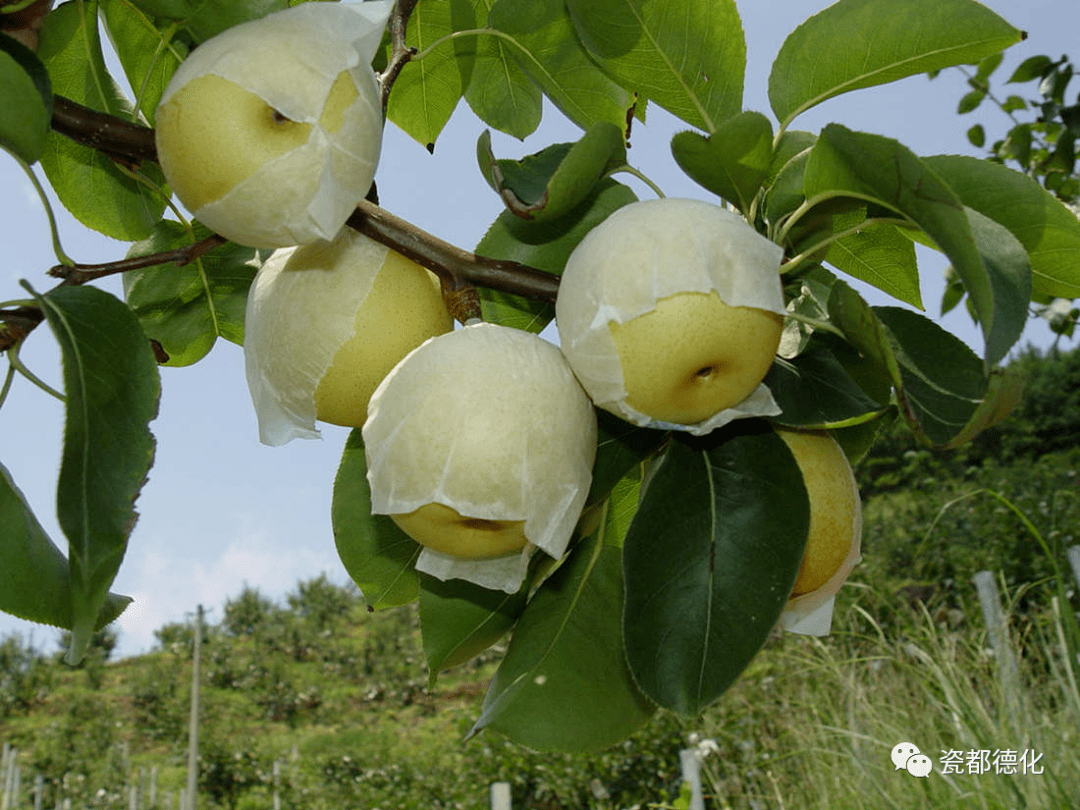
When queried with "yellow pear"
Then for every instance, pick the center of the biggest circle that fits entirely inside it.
(480, 445)
(325, 323)
(270, 132)
(721, 355)
(212, 134)
(835, 507)
(670, 313)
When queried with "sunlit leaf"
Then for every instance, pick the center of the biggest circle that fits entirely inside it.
(499, 91)
(688, 56)
(862, 43)
(427, 91)
(546, 48)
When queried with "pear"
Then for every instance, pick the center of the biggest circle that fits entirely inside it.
(325, 323)
(270, 132)
(480, 446)
(670, 313)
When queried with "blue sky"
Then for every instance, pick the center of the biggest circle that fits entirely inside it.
(221, 510)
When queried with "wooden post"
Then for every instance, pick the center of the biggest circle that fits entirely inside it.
(39, 791)
(1008, 674)
(1073, 553)
(193, 721)
(277, 784)
(691, 774)
(152, 801)
(500, 796)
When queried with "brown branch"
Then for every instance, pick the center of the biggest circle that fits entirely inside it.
(455, 266)
(82, 273)
(131, 144)
(400, 53)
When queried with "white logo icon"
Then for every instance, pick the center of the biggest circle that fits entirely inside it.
(907, 756)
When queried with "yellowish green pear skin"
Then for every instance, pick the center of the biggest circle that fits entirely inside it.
(835, 508)
(403, 309)
(212, 134)
(441, 528)
(693, 356)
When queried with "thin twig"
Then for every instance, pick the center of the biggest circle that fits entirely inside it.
(82, 273)
(400, 52)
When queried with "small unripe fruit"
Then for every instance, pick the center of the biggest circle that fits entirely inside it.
(325, 323)
(480, 446)
(670, 313)
(270, 132)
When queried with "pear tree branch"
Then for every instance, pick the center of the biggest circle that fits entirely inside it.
(460, 271)
(400, 53)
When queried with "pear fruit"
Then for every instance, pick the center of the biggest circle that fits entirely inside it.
(325, 323)
(670, 313)
(270, 132)
(835, 507)
(480, 446)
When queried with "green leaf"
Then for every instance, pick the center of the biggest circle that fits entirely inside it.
(1034, 67)
(112, 387)
(548, 184)
(970, 101)
(621, 446)
(941, 383)
(1049, 232)
(459, 620)
(545, 246)
(862, 330)
(862, 43)
(881, 255)
(27, 109)
(203, 20)
(499, 91)
(187, 308)
(427, 91)
(688, 56)
(977, 136)
(100, 194)
(35, 583)
(884, 172)
(547, 49)
(786, 184)
(148, 58)
(377, 554)
(710, 559)
(564, 684)
(814, 390)
(733, 162)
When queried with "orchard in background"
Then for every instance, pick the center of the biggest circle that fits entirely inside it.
(651, 581)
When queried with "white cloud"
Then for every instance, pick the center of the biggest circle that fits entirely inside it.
(172, 580)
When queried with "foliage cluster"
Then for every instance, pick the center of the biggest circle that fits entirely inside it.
(647, 573)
